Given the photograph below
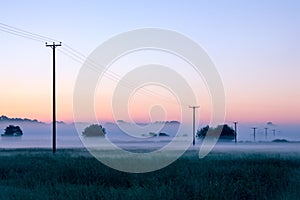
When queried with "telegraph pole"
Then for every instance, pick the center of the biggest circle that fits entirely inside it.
(53, 46)
(266, 133)
(235, 132)
(194, 108)
(254, 133)
(273, 132)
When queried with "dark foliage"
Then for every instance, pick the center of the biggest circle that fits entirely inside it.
(94, 130)
(227, 133)
(280, 140)
(5, 118)
(12, 130)
(163, 134)
(42, 176)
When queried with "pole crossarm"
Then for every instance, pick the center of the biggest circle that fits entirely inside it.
(53, 45)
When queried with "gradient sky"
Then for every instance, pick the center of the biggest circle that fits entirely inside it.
(255, 46)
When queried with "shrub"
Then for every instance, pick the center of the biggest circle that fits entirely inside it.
(226, 132)
(12, 130)
(94, 130)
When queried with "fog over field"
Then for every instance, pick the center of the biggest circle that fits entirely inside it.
(39, 134)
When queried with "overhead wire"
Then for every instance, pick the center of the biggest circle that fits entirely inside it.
(115, 77)
(20, 35)
(75, 55)
(27, 32)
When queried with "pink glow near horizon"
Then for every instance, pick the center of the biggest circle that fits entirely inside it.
(254, 45)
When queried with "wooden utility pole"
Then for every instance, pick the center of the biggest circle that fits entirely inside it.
(53, 46)
(235, 132)
(254, 128)
(273, 132)
(194, 108)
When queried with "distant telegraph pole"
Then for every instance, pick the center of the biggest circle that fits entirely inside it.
(254, 128)
(194, 108)
(273, 132)
(235, 132)
(53, 46)
(266, 133)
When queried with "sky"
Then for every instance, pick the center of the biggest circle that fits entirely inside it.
(255, 46)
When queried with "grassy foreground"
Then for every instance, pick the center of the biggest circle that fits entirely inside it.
(40, 175)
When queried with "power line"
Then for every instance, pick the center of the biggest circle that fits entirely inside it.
(116, 78)
(20, 35)
(80, 58)
(28, 32)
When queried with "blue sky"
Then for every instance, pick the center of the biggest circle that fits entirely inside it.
(255, 45)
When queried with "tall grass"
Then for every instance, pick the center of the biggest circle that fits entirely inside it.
(43, 176)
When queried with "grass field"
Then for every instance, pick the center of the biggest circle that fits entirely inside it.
(37, 174)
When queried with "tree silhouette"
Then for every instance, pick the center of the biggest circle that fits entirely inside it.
(94, 130)
(227, 133)
(12, 130)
